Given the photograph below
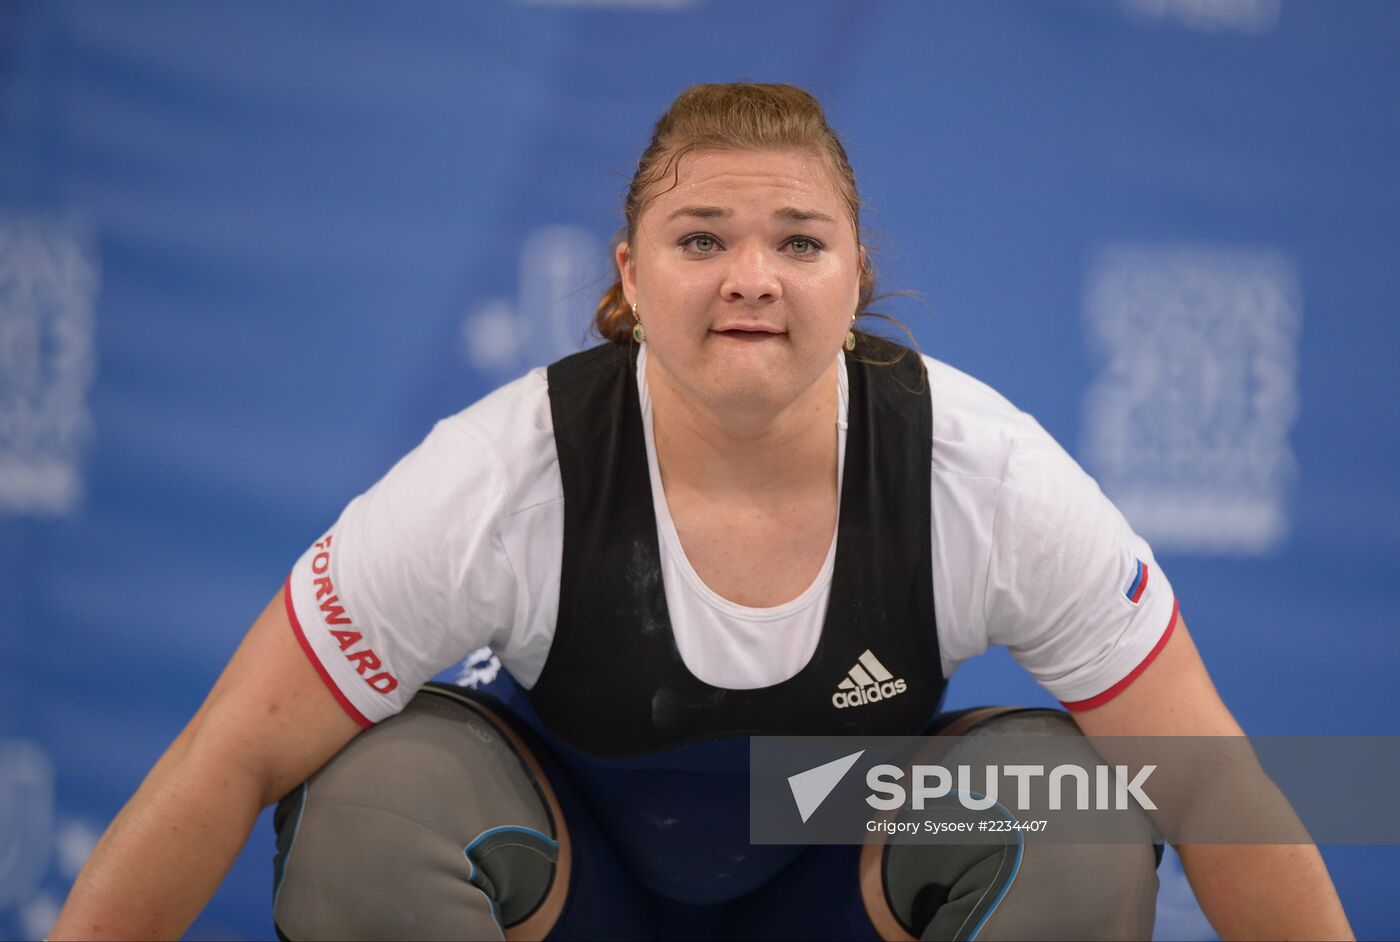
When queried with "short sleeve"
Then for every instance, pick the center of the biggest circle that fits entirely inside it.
(1071, 591)
(410, 578)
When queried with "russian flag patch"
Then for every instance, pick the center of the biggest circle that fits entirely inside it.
(1138, 585)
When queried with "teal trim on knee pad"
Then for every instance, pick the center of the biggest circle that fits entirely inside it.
(517, 886)
(1005, 888)
(1015, 867)
(931, 867)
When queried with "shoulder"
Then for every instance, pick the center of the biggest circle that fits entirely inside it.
(511, 428)
(521, 405)
(1008, 505)
(473, 473)
(981, 438)
(976, 430)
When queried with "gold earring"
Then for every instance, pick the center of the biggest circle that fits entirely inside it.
(639, 333)
(851, 336)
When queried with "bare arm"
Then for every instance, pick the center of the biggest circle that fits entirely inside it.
(1247, 891)
(267, 725)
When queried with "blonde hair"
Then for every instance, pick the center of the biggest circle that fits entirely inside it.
(737, 116)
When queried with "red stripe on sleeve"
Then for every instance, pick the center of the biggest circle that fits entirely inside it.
(345, 704)
(1078, 706)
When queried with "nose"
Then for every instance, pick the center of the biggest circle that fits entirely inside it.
(749, 276)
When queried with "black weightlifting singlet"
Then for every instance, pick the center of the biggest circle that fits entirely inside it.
(613, 620)
(660, 755)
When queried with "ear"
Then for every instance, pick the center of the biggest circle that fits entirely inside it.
(626, 271)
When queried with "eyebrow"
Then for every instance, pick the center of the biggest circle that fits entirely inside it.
(717, 212)
(802, 215)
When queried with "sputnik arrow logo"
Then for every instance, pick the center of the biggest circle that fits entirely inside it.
(810, 788)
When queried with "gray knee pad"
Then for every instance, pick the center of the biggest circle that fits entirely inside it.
(436, 824)
(1017, 890)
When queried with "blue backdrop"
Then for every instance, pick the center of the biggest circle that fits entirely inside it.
(249, 253)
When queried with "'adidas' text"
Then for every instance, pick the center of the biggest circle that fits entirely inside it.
(867, 682)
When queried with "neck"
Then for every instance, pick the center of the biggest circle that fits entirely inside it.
(741, 456)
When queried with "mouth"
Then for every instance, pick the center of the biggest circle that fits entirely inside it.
(749, 333)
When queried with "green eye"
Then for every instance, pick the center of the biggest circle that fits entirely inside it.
(700, 244)
(801, 246)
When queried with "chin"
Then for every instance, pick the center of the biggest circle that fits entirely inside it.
(751, 389)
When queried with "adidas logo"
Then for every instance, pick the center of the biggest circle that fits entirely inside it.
(867, 682)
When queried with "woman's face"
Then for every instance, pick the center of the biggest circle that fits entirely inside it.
(745, 276)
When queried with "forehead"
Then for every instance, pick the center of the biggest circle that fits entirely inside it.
(736, 178)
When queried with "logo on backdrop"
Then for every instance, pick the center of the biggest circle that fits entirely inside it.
(562, 275)
(1209, 16)
(41, 851)
(26, 819)
(1187, 424)
(637, 5)
(48, 285)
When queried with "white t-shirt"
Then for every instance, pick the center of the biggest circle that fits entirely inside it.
(459, 546)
